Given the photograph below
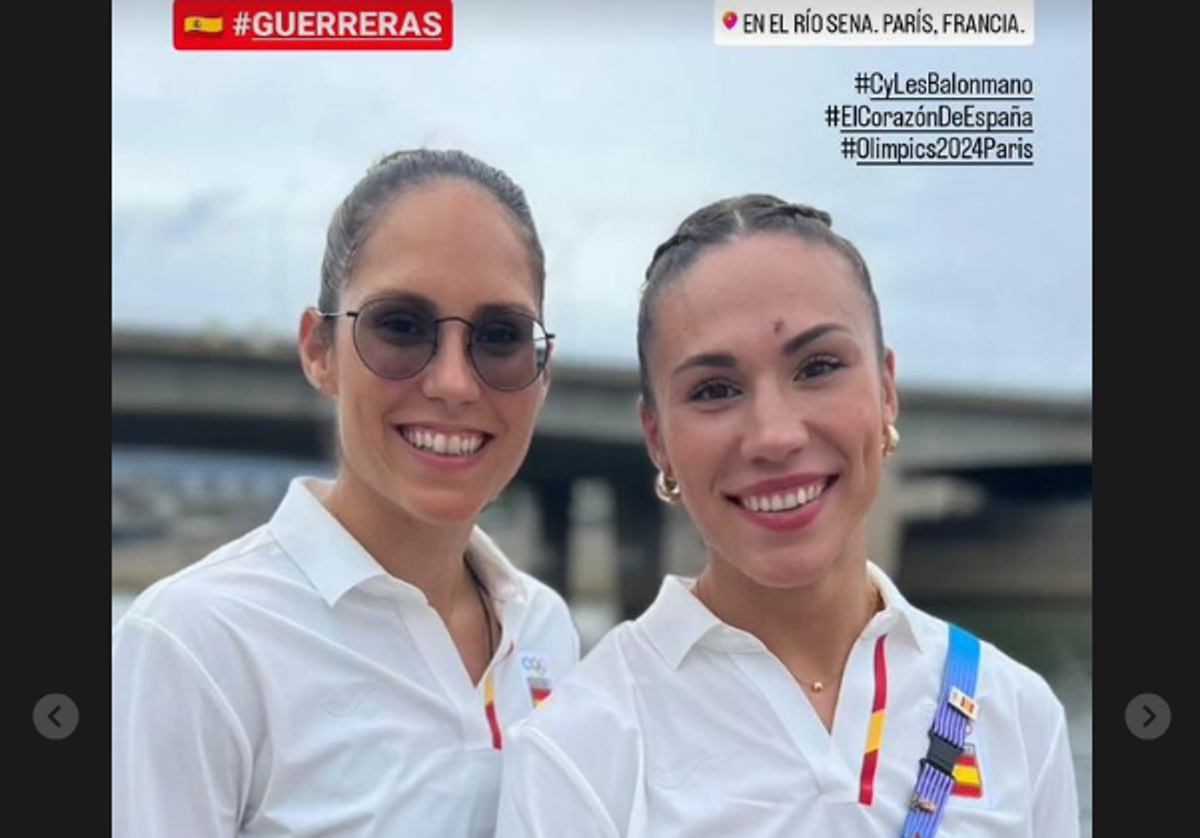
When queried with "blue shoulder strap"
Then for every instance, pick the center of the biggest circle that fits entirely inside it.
(951, 721)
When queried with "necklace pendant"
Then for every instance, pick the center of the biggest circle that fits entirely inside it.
(818, 686)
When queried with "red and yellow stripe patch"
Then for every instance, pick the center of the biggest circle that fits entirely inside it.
(866, 790)
(489, 709)
(968, 782)
(538, 694)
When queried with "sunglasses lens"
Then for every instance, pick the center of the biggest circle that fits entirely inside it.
(395, 340)
(509, 351)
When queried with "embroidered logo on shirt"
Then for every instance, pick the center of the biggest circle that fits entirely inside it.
(536, 667)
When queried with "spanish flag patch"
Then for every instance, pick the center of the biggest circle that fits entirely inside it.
(968, 781)
(536, 667)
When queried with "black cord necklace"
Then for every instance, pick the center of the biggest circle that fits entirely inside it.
(481, 592)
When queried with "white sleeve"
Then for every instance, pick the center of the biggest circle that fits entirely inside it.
(1055, 804)
(544, 795)
(181, 761)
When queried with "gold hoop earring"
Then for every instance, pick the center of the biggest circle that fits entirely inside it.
(891, 440)
(667, 488)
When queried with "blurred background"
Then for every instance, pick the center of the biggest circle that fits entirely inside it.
(617, 119)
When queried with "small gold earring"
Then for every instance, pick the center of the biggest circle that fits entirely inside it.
(891, 440)
(667, 488)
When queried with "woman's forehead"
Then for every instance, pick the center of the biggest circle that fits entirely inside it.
(778, 284)
(450, 243)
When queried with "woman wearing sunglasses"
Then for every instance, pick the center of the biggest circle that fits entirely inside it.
(349, 668)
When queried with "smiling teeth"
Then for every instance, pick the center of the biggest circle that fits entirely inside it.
(784, 502)
(448, 445)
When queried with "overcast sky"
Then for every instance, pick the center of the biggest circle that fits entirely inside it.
(617, 121)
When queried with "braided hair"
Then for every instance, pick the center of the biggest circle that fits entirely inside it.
(725, 221)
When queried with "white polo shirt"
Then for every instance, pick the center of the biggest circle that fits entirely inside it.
(680, 725)
(286, 685)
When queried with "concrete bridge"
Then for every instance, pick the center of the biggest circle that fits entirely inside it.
(988, 495)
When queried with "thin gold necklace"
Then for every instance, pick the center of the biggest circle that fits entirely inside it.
(815, 685)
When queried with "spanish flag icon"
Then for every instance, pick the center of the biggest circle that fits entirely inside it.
(968, 782)
(196, 25)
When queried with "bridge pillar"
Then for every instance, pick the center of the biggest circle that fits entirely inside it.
(554, 530)
(640, 544)
(885, 523)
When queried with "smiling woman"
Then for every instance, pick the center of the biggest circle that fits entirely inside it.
(350, 667)
(791, 689)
